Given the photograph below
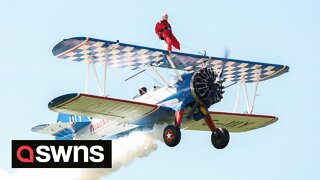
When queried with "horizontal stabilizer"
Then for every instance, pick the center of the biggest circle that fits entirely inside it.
(60, 129)
(234, 122)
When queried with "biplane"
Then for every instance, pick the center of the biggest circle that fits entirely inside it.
(182, 104)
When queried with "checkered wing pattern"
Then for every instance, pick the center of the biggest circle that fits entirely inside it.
(122, 55)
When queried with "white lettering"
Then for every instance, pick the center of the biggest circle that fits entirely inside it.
(61, 152)
(96, 153)
(85, 153)
(41, 151)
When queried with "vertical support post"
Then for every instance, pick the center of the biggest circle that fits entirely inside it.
(96, 75)
(174, 67)
(105, 73)
(255, 91)
(247, 98)
(87, 77)
(237, 98)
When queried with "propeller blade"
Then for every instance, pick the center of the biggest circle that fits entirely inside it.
(226, 55)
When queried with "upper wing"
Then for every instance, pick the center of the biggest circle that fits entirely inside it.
(100, 107)
(122, 55)
(234, 122)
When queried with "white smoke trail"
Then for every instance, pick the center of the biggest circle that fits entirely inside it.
(126, 149)
(39, 174)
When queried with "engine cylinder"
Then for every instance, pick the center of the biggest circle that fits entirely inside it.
(206, 87)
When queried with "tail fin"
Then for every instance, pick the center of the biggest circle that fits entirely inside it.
(77, 122)
(65, 128)
(64, 118)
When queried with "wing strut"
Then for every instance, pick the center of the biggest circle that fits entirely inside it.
(91, 62)
(96, 75)
(159, 75)
(173, 67)
(105, 72)
(250, 106)
(255, 91)
(87, 78)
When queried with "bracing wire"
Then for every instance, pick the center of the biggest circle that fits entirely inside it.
(194, 50)
(150, 76)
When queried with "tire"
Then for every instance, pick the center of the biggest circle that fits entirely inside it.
(220, 138)
(171, 135)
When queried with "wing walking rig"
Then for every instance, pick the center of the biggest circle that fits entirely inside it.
(183, 104)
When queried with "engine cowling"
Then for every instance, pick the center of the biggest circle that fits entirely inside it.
(206, 87)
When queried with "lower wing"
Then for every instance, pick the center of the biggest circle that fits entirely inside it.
(117, 110)
(233, 122)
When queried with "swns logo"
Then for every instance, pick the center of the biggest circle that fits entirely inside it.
(61, 154)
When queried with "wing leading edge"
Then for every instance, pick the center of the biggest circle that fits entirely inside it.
(121, 55)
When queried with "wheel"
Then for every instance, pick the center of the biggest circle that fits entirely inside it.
(220, 138)
(171, 135)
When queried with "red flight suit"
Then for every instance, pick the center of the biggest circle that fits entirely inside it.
(164, 32)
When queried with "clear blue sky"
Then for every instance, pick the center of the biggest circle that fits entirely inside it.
(282, 32)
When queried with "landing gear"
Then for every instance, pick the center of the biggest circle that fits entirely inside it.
(220, 138)
(172, 135)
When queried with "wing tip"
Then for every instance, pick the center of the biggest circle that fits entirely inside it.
(39, 127)
(67, 45)
(58, 101)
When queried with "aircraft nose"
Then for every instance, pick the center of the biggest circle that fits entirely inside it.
(61, 99)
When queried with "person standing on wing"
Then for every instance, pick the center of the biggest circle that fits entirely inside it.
(164, 32)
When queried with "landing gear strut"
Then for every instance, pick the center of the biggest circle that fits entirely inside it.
(220, 137)
(207, 89)
(172, 135)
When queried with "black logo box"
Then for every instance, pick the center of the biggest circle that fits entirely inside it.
(106, 163)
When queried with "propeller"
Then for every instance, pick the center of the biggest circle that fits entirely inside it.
(206, 87)
(226, 55)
